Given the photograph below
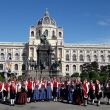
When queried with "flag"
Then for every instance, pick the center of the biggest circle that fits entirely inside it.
(8, 62)
(7, 65)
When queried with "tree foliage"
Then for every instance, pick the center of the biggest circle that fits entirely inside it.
(75, 75)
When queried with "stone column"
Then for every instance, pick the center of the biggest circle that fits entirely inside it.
(63, 68)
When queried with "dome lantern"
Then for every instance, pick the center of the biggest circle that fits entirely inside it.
(46, 20)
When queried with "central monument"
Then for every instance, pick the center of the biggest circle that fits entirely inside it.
(44, 53)
(44, 60)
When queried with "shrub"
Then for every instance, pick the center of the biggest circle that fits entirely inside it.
(20, 77)
(83, 75)
(1, 78)
(75, 75)
(93, 75)
(104, 74)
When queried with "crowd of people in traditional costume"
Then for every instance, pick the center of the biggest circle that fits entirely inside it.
(57, 89)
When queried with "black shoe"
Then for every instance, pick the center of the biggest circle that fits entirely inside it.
(3, 102)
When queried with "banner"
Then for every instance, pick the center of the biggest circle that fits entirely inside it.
(7, 66)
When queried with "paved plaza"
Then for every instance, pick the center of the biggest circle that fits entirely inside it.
(53, 106)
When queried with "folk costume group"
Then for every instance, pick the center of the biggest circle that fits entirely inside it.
(56, 89)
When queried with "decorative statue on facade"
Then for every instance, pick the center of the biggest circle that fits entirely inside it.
(31, 63)
(43, 39)
(55, 65)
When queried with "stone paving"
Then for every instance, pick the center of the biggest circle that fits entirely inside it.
(53, 106)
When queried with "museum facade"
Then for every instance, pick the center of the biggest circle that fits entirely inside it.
(72, 56)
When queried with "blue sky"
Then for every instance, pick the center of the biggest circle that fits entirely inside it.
(83, 21)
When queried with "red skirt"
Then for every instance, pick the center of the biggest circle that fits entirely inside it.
(22, 98)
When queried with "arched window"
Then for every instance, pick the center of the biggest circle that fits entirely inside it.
(2, 56)
(16, 66)
(39, 33)
(46, 31)
(81, 57)
(74, 68)
(53, 56)
(102, 58)
(108, 58)
(24, 56)
(81, 68)
(9, 56)
(67, 67)
(74, 57)
(32, 33)
(1, 66)
(23, 67)
(67, 57)
(60, 34)
(53, 33)
(95, 58)
(88, 58)
(16, 56)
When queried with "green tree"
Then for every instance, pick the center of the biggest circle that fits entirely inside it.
(87, 67)
(84, 75)
(93, 75)
(75, 75)
(95, 66)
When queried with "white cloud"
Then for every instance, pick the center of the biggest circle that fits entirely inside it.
(103, 23)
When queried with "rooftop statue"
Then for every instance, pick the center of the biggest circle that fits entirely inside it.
(43, 39)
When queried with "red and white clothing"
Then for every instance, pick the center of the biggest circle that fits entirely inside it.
(36, 85)
(18, 86)
(108, 85)
(85, 90)
(12, 86)
(43, 84)
(30, 85)
(97, 87)
(55, 84)
(92, 87)
(49, 83)
(6, 86)
(1, 87)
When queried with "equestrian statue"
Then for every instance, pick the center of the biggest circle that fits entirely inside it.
(31, 63)
(55, 65)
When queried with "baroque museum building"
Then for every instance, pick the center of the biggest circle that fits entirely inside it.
(72, 56)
